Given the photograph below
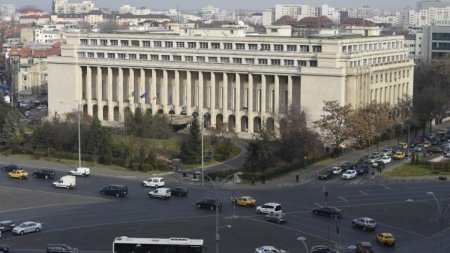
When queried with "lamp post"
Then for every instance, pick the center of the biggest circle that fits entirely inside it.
(440, 217)
(79, 130)
(303, 240)
(216, 191)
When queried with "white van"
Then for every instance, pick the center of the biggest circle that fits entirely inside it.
(67, 182)
(153, 182)
(80, 172)
(163, 193)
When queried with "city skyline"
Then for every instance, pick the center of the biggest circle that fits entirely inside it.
(222, 4)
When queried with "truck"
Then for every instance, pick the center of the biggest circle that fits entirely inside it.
(67, 182)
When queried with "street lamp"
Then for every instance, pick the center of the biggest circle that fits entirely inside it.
(440, 216)
(303, 240)
(216, 190)
(79, 130)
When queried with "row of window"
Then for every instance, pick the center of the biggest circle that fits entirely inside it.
(204, 45)
(389, 77)
(372, 47)
(441, 36)
(378, 60)
(201, 59)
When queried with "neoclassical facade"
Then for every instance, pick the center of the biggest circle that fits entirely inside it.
(225, 74)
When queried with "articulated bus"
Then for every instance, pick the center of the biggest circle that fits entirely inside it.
(125, 244)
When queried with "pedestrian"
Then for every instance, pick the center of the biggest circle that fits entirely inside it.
(297, 177)
(252, 182)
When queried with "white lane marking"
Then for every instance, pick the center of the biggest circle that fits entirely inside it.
(344, 199)
(387, 187)
(364, 193)
(317, 204)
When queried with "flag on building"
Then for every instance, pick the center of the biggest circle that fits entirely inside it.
(144, 95)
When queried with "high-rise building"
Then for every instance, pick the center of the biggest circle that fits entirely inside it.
(425, 4)
(64, 7)
(435, 42)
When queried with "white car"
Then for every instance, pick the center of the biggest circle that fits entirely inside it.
(27, 227)
(372, 158)
(385, 159)
(163, 193)
(269, 249)
(387, 151)
(153, 182)
(81, 171)
(336, 170)
(349, 174)
(269, 208)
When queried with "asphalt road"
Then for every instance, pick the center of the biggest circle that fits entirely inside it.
(84, 219)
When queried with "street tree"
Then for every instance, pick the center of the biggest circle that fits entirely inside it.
(190, 149)
(259, 152)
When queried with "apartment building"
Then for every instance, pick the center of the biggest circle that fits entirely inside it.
(435, 42)
(225, 74)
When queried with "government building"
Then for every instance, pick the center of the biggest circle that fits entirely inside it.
(230, 76)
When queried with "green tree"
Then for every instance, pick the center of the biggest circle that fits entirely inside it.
(190, 150)
(259, 153)
(9, 128)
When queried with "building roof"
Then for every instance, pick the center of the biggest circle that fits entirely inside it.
(358, 22)
(285, 20)
(29, 9)
(322, 21)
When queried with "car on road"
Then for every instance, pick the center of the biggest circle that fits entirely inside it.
(270, 207)
(385, 239)
(346, 166)
(399, 155)
(60, 248)
(435, 150)
(4, 249)
(330, 211)
(46, 174)
(386, 152)
(81, 171)
(179, 191)
(336, 170)
(6, 226)
(321, 249)
(384, 160)
(419, 147)
(349, 174)
(11, 167)
(404, 145)
(269, 249)
(326, 174)
(115, 190)
(364, 247)
(362, 169)
(426, 144)
(27, 227)
(276, 217)
(153, 182)
(364, 223)
(372, 158)
(163, 193)
(20, 174)
(208, 204)
(244, 201)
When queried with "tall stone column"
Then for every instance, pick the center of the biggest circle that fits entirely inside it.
(142, 91)
(277, 95)
(154, 96)
(225, 97)
(213, 99)
(176, 95)
(237, 110)
(200, 92)
(131, 90)
(165, 92)
(110, 95)
(89, 90)
(290, 95)
(120, 93)
(263, 96)
(99, 93)
(250, 104)
(189, 93)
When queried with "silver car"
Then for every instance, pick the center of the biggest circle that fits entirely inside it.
(365, 223)
(276, 217)
(27, 227)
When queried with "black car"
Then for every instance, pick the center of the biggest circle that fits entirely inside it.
(4, 249)
(330, 211)
(60, 248)
(362, 169)
(11, 167)
(326, 174)
(6, 226)
(208, 204)
(47, 174)
(179, 191)
(346, 166)
(320, 249)
(115, 190)
(435, 150)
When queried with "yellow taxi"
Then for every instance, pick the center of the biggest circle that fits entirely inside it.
(404, 145)
(426, 144)
(386, 239)
(20, 174)
(399, 155)
(244, 201)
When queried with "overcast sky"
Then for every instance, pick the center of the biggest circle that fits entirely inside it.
(224, 4)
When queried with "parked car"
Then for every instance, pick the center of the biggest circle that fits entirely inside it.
(399, 155)
(386, 239)
(419, 147)
(208, 204)
(373, 158)
(60, 248)
(11, 167)
(27, 227)
(447, 154)
(404, 145)
(384, 159)
(276, 217)
(4, 249)
(365, 223)
(346, 166)
(426, 144)
(244, 201)
(115, 190)
(336, 170)
(387, 152)
(270, 207)
(153, 182)
(6, 226)
(349, 174)
(163, 193)
(46, 174)
(364, 247)
(435, 150)
(268, 249)
(179, 191)
(330, 211)
(321, 249)
(326, 174)
(20, 174)
(362, 169)
(81, 171)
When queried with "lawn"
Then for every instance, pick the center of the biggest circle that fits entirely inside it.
(409, 170)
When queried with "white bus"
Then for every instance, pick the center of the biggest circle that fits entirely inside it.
(125, 244)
